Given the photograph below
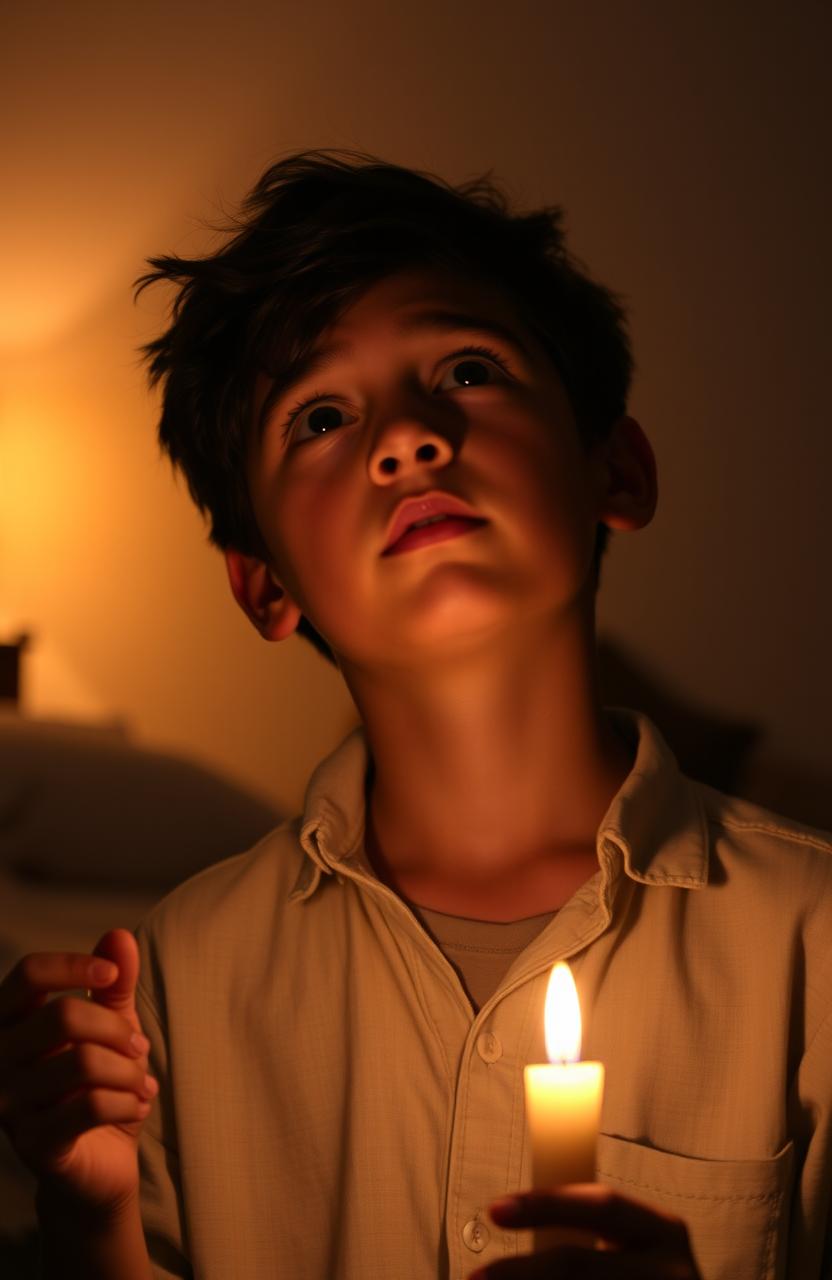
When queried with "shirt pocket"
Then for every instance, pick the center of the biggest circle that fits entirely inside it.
(736, 1211)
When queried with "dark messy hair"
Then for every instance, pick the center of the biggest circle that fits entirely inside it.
(316, 231)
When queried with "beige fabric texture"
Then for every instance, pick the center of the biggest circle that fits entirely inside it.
(332, 1107)
(481, 951)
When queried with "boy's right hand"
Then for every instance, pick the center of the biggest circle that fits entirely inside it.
(72, 1088)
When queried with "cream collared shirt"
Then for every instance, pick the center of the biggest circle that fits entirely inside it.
(332, 1108)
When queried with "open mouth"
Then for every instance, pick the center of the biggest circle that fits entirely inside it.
(436, 529)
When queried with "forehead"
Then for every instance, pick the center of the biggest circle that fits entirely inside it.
(396, 308)
(433, 288)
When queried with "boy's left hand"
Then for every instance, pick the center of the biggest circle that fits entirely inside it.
(638, 1242)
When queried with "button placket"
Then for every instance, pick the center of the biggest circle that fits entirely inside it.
(488, 1134)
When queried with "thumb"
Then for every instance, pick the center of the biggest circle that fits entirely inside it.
(119, 946)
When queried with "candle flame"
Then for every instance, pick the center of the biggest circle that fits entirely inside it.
(562, 1017)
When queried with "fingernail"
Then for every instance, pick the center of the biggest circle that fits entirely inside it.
(139, 1044)
(508, 1204)
(150, 1086)
(102, 971)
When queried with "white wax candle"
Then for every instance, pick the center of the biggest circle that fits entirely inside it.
(563, 1105)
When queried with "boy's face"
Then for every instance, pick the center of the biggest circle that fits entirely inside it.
(399, 411)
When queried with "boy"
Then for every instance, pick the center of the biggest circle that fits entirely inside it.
(404, 410)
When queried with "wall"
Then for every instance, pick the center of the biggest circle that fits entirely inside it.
(688, 144)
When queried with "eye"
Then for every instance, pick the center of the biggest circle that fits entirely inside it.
(320, 418)
(470, 366)
(473, 367)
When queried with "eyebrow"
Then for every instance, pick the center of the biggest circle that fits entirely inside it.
(438, 320)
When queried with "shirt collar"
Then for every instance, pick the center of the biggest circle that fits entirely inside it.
(655, 824)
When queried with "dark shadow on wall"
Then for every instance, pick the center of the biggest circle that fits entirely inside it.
(85, 805)
(20, 1256)
(796, 791)
(726, 753)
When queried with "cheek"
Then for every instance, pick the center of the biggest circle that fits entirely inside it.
(543, 473)
(307, 509)
(274, 512)
(317, 537)
(544, 462)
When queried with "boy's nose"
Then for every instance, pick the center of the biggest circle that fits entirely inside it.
(408, 445)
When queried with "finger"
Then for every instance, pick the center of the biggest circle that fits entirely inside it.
(44, 1133)
(84, 1066)
(563, 1264)
(39, 973)
(567, 1263)
(66, 1020)
(596, 1207)
(120, 947)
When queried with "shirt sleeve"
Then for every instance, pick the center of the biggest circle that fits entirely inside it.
(160, 1181)
(810, 1233)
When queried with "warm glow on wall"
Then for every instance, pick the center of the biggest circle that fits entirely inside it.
(52, 492)
(42, 475)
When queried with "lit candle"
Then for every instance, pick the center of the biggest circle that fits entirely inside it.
(563, 1105)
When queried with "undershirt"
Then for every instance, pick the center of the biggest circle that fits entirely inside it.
(481, 951)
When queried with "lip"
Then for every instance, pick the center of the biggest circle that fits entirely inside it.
(422, 507)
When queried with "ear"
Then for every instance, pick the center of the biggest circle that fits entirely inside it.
(261, 597)
(628, 487)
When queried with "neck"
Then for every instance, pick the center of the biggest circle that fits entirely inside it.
(493, 773)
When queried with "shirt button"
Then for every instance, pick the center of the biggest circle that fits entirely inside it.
(489, 1047)
(476, 1235)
